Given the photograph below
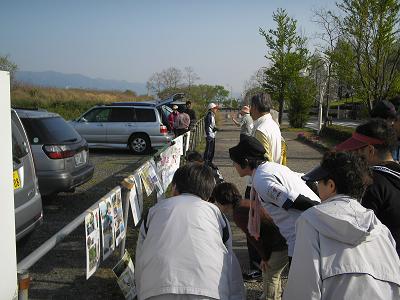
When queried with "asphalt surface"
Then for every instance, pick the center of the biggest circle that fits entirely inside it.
(61, 274)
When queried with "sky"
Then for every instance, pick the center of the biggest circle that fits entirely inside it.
(131, 40)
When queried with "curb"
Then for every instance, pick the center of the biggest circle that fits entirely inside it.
(317, 145)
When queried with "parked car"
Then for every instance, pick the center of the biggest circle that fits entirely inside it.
(27, 198)
(60, 154)
(138, 126)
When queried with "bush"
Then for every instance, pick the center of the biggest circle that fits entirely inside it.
(336, 132)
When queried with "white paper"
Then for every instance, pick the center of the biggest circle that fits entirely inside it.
(155, 179)
(119, 226)
(92, 242)
(187, 141)
(107, 227)
(139, 189)
(179, 144)
(146, 180)
(134, 201)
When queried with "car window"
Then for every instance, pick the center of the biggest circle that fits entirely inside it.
(121, 114)
(19, 146)
(53, 130)
(145, 115)
(98, 115)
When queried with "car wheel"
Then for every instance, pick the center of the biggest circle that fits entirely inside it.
(139, 144)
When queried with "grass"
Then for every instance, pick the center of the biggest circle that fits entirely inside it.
(69, 103)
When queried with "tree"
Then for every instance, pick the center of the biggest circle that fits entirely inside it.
(288, 56)
(371, 28)
(190, 76)
(171, 77)
(301, 96)
(7, 65)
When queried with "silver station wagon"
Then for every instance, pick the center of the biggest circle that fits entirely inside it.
(137, 126)
(60, 154)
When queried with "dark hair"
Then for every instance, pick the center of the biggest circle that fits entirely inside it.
(380, 129)
(349, 171)
(226, 193)
(188, 102)
(262, 102)
(194, 178)
(194, 156)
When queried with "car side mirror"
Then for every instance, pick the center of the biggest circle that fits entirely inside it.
(82, 120)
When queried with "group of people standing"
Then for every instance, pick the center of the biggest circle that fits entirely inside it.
(334, 246)
(181, 120)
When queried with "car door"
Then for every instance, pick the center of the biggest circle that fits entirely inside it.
(93, 125)
(121, 125)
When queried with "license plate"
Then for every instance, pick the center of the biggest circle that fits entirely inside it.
(17, 181)
(80, 158)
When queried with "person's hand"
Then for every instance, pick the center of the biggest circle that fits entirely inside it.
(264, 265)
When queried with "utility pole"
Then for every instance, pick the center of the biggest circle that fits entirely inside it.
(321, 99)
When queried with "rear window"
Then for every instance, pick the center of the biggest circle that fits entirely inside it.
(145, 115)
(52, 130)
(19, 146)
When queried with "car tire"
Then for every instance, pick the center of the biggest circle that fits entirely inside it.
(139, 143)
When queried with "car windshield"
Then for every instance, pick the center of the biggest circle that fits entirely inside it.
(52, 130)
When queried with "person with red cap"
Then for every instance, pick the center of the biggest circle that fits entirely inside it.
(375, 140)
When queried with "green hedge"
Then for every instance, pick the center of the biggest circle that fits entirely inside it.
(336, 132)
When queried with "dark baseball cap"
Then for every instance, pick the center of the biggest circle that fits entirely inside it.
(318, 173)
(248, 148)
(384, 110)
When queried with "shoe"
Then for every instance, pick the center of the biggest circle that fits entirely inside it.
(252, 275)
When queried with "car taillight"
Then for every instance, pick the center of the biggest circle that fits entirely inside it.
(58, 151)
(163, 129)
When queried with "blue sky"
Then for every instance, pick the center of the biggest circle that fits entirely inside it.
(130, 40)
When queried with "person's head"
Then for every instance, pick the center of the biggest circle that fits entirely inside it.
(374, 139)
(247, 155)
(341, 173)
(194, 156)
(188, 104)
(384, 110)
(396, 125)
(260, 104)
(213, 107)
(226, 196)
(245, 110)
(175, 108)
(194, 178)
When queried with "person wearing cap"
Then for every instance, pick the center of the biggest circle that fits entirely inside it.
(172, 116)
(210, 130)
(342, 250)
(275, 187)
(246, 123)
(375, 140)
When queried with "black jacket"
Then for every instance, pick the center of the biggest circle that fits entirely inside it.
(383, 197)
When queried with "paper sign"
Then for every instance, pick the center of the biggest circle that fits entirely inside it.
(92, 242)
(125, 273)
(107, 227)
(119, 226)
(134, 201)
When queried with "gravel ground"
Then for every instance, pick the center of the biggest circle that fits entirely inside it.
(61, 274)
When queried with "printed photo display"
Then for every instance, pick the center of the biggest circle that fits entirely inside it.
(134, 202)
(92, 242)
(124, 271)
(107, 227)
(119, 226)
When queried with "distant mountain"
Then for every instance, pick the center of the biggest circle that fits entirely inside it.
(61, 80)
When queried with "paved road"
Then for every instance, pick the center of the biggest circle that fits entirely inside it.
(313, 123)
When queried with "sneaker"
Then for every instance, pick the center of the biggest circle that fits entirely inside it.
(252, 275)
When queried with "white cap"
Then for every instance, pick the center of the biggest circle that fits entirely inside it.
(212, 105)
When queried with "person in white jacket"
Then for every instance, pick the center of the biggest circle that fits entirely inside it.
(342, 250)
(184, 245)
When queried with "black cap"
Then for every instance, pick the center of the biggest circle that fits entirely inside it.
(248, 148)
(315, 174)
(384, 110)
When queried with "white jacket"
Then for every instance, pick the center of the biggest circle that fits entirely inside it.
(343, 251)
(183, 251)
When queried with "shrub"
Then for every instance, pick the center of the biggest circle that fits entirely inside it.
(336, 132)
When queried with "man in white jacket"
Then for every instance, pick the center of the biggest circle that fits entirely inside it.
(342, 250)
(183, 249)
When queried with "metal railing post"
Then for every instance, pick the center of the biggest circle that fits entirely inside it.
(23, 285)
